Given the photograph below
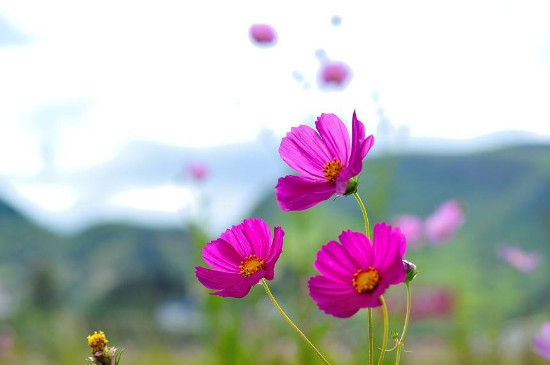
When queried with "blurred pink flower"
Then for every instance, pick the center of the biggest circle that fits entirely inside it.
(541, 342)
(432, 302)
(411, 226)
(441, 225)
(263, 34)
(7, 341)
(521, 260)
(334, 73)
(198, 171)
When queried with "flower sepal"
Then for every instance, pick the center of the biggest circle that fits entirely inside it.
(107, 356)
(351, 188)
(410, 270)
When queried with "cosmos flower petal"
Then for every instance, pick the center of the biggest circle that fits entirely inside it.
(395, 272)
(335, 135)
(359, 149)
(359, 146)
(305, 152)
(214, 279)
(220, 255)
(275, 251)
(276, 247)
(541, 343)
(334, 298)
(546, 331)
(299, 193)
(335, 262)
(238, 240)
(257, 233)
(388, 243)
(242, 288)
(358, 246)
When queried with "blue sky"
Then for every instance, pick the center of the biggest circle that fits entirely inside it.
(80, 81)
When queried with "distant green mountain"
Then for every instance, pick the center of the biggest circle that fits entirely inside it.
(112, 266)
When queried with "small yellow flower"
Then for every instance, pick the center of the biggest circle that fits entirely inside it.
(97, 341)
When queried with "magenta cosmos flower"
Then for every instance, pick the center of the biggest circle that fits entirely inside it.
(444, 222)
(521, 260)
(242, 256)
(324, 159)
(198, 171)
(263, 34)
(542, 342)
(354, 273)
(334, 73)
(411, 226)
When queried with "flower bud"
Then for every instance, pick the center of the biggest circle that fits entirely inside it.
(351, 188)
(410, 270)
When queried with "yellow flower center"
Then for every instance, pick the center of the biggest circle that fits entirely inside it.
(331, 169)
(365, 281)
(251, 265)
(97, 341)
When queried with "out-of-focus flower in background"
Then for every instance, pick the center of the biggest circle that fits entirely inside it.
(334, 73)
(198, 171)
(541, 343)
(7, 341)
(432, 302)
(442, 225)
(412, 227)
(263, 34)
(518, 258)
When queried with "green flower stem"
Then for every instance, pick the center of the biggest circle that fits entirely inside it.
(364, 211)
(369, 310)
(289, 321)
(371, 337)
(386, 329)
(401, 343)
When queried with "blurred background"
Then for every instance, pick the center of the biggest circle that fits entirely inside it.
(133, 133)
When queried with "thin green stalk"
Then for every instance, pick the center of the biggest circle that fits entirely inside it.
(364, 211)
(371, 337)
(369, 310)
(386, 329)
(289, 321)
(401, 343)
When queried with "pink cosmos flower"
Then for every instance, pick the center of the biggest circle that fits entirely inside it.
(432, 302)
(411, 226)
(334, 73)
(324, 160)
(354, 273)
(242, 256)
(542, 342)
(444, 222)
(198, 171)
(263, 34)
(521, 260)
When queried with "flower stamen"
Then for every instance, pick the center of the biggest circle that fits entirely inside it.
(365, 281)
(331, 170)
(97, 341)
(251, 265)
